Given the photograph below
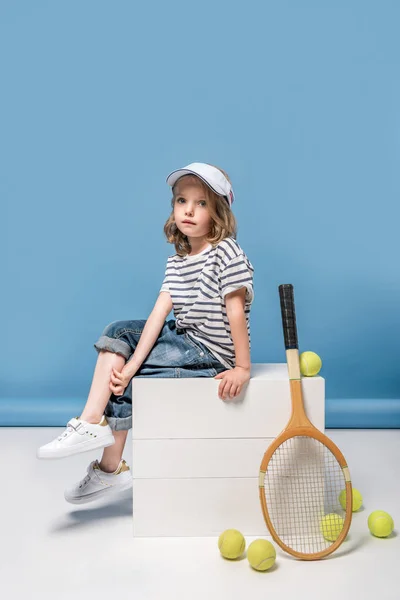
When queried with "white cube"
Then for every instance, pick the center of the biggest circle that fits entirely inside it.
(196, 458)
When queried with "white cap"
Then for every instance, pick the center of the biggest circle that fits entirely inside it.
(212, 176)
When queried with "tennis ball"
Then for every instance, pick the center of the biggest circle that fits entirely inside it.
(261, 555)
(231, 543)
(331, 526)
(357, 499)
(380, 523)
(310, 364)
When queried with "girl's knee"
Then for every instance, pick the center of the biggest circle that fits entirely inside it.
(112, 329)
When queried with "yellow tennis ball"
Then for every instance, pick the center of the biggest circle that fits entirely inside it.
(310, 364)
(357, 499)
(380, 523)
(261, 555)
(231, 543)
(331, 526)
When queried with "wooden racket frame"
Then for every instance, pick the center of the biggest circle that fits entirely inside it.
(300, 425)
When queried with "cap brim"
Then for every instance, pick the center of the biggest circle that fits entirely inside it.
(175, 175)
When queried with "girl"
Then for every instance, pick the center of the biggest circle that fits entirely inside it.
(209, 285)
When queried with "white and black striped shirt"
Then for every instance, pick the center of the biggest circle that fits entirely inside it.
(198, 285)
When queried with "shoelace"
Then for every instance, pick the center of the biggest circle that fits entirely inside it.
(87, 477)
(91, 474)
(66, 432)
(84, 481)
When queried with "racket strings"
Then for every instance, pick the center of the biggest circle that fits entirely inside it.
(302, 484)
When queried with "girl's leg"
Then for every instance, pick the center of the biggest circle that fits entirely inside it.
(100, 392)
(112, 454)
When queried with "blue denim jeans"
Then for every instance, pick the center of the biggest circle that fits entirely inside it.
(174, 354)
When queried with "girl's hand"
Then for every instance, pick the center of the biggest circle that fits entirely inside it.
(119, 381)
(232, 382)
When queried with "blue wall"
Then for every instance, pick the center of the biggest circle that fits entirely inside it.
(298, 101)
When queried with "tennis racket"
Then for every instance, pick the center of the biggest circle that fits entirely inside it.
(303, 472)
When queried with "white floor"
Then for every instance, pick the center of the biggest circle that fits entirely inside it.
(52, 549)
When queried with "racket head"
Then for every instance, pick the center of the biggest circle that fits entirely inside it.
(301, 476)
(303, 472)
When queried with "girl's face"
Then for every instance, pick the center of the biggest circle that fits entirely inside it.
(191, 205)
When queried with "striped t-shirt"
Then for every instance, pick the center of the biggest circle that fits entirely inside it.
(198, 284)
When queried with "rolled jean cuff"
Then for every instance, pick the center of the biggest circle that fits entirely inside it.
(118, 423)
(112, 345)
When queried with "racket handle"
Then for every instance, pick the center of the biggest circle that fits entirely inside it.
(288, 316)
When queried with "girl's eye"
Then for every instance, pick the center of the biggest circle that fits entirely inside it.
(202, 202)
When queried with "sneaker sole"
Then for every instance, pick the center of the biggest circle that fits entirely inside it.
(100, 494)
(84, 447)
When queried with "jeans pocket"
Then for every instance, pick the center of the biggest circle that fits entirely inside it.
(194, 344)
(195, 355)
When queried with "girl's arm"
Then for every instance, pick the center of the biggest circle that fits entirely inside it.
(150, 333)
(235, 303)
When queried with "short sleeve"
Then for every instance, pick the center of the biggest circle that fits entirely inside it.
(165, 284)
(164, 287)
(236, 274)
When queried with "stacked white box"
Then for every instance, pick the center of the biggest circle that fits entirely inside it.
(196, 458)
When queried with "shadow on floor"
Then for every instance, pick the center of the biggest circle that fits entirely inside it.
(94, 513)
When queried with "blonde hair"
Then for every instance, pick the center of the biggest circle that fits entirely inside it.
(223, 222)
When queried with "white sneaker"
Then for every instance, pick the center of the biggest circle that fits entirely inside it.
(97, 483)
(79, 436)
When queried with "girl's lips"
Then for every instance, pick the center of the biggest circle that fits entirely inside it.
(187, 223)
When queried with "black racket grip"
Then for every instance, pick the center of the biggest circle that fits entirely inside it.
(288, 316)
